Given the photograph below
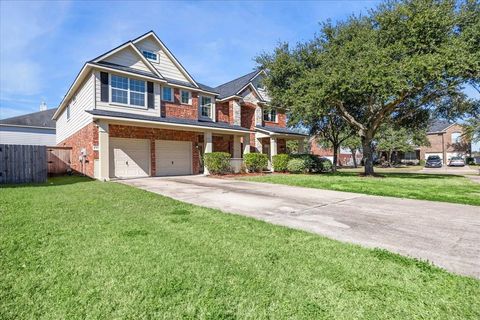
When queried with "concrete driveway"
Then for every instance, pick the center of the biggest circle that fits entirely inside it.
(445, 234)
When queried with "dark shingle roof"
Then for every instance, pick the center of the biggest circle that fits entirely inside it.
(280, 130)
(438, 126)
(208, 124)
(232, 87)
(36, 119)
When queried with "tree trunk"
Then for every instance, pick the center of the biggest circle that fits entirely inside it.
(335, 156)
(354, 153)
(367, 155)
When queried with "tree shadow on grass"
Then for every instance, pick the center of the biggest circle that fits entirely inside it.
(51, 182)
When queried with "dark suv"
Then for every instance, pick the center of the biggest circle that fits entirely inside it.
(433, 162)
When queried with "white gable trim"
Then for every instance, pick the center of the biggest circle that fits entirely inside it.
(169, 54)
(140, 55)
(254, 90)
(258, 73)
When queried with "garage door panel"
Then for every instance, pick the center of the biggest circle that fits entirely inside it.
(130, 158)
(173, 157)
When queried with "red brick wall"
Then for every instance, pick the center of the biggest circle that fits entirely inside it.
(247, 120)
(223, 144)
(86, 138)
(281, 120)
(281, 146)
(223, 112)
(153, 134)
(177, 110)
(441, 142)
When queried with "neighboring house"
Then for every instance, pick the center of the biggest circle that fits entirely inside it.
(445, 141)
(36, 128)
(135, 111)
(344, 155)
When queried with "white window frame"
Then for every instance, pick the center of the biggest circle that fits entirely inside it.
(128, 104)
(270, 115)
(458, 138)
(152, 52)
(212, 108)
(171, 94)
(189, 97)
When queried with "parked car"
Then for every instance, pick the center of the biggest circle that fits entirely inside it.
(456, 162)
(433, 162)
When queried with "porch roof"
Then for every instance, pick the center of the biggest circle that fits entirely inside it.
(280, 131)
(174, 122)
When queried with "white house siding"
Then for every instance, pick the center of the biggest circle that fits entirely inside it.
(129, 58)
(166, 66)
(126, 109)
(85, 100)
(27, 135)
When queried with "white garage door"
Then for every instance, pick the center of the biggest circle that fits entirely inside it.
(173, 157)
(129, 158)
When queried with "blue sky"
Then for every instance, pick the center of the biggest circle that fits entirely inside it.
(43, 45)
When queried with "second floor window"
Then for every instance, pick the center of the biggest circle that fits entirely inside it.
(128, 91)
(206, 107)
(270, 115)
(185, 97)
(167, 94)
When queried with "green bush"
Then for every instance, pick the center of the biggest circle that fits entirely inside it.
(255, 162)
(325, 165)
(421, 162)
(297, 165)
(217, 162)
(312, 162)
(470, 160)
(280, 162)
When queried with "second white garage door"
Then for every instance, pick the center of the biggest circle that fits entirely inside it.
(129, 158)
(173, 157)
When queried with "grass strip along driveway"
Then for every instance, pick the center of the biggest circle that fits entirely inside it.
(76, 249)
(445, 188)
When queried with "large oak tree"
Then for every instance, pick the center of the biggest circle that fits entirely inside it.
(397, 64)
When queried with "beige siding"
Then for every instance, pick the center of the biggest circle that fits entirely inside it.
(85, 99)
(121, 108)
(166, 66)
(23, 135)
(129, 58)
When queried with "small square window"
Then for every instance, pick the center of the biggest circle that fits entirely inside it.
(185, 97)
(270, 115)
(206, 107)
(167, 94)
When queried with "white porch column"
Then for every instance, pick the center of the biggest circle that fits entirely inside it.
(237, 147)
(103, 151)
(207, 142)
(301, 145)
(273, 147)
(246, 143)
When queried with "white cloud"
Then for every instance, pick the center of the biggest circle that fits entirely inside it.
(24, 26)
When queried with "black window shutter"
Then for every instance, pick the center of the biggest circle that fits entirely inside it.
(150, 96)
(104, 86)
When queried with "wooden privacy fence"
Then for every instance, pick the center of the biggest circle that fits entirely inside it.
(58, 159)
(23, 163)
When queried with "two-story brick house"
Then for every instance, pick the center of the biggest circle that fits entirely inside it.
(135, 111)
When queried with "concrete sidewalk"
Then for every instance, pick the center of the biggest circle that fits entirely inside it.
(443, 233)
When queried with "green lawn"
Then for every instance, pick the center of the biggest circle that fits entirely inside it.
(76, 249)
(446, 188)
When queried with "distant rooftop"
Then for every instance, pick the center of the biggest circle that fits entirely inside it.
(438, 126)
(36, 119)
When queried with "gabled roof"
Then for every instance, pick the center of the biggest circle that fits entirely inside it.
(128, 44)
(438, 126)
(168, 53)
(40, 119)
(234, 87)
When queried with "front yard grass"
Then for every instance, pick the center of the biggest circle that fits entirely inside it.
(76, 249)
(435, 187)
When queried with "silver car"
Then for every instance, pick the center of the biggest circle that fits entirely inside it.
(456, 162)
